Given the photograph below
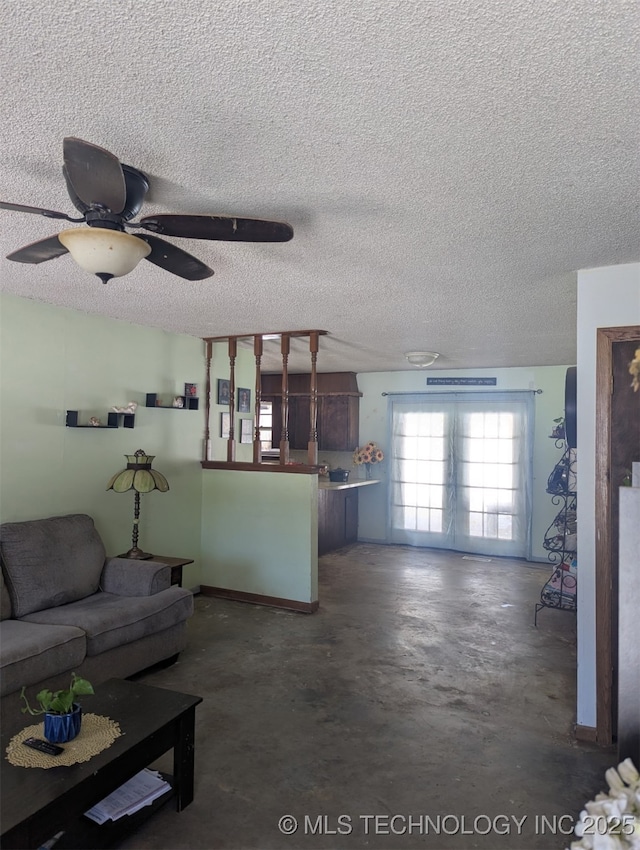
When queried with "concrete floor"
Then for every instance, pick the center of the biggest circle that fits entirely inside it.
(420, 688)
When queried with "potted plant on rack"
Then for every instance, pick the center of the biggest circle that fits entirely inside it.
(558, 431)
(62, 714)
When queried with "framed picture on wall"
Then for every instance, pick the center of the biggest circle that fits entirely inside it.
(223, 391)
(246, 430)
(244, 400)
(224, 425)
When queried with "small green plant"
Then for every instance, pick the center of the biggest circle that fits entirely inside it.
(58, 702)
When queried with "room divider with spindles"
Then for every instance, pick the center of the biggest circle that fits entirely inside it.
(285, 347)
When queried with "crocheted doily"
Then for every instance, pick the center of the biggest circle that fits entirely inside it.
(96, 734)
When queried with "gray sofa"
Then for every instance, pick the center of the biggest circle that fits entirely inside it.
(66, 607)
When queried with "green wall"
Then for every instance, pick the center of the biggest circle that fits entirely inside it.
(260, 529)
(53, 359)
(374, 426)
(259, 533)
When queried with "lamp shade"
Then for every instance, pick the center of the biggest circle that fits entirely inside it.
(138, 475)
(141, 478)
(106, 253)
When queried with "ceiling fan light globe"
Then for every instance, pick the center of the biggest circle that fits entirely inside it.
(421, 359)
(104, 252)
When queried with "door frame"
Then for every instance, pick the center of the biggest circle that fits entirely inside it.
(605, 643)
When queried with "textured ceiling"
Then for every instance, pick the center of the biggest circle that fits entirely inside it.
(446, 165)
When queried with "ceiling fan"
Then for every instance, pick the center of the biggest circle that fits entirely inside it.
(109, 194)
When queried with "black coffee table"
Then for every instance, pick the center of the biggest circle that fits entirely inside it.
(38, 803)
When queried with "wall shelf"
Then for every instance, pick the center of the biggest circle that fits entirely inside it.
(188, 402)
(113, 421)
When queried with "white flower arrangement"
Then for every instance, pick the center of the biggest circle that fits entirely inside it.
(612, 821)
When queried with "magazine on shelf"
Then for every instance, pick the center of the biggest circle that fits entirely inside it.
(139, 791)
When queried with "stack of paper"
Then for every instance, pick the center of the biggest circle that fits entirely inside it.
(141, 790)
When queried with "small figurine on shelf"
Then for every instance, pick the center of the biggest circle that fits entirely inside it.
(178, 402)
(95, 422)
(131, 407)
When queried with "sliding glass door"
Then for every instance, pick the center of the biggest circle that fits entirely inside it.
(461, 472)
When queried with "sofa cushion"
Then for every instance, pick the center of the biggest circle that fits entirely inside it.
(111, 620)
(49, 562)
(32, 653)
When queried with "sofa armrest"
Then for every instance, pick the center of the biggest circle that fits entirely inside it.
(127, 577)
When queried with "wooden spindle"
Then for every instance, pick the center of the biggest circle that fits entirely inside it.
(207, 417)
(284, 437)
(231, 442)
(312, 449)
(257, 351)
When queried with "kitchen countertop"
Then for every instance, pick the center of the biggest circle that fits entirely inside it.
(325, 484)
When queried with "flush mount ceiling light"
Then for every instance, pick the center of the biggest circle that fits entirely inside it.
(105, 253)
(421, 358)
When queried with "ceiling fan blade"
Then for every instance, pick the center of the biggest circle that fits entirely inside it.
(4, 205)
(39, 252)
(175, 260)
(221, 227)
(95, 174)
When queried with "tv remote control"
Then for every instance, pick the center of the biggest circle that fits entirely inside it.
(43, 746)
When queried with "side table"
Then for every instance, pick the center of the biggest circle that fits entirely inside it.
(176, 565)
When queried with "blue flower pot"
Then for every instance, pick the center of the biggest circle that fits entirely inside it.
(60, 728)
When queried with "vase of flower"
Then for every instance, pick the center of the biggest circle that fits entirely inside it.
(368, 455)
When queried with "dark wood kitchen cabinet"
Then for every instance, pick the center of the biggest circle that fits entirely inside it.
(338, 414)
(338, 423)
(350, 516)
(337, 519)
(299, 422)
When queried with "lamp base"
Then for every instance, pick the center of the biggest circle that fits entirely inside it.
(136, 554)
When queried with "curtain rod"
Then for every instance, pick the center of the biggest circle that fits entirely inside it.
(461, 392)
